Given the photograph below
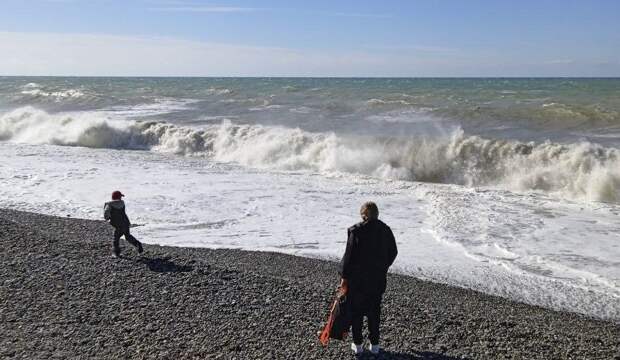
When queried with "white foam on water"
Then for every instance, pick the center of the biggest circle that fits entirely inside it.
(529, 247)
(158, 107)
(220, 91)
(579, 171)
(35, 90)
(31, 85)
(71, 93)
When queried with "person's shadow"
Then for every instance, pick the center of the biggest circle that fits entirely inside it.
(417, 355)
(164, 265)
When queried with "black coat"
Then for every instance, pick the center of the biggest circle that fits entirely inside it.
(371, 250)
(114, 211)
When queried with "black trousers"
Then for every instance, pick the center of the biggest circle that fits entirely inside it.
(120, 231)
(370, 307)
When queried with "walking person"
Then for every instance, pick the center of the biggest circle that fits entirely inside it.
(114, 212)
(371, 250)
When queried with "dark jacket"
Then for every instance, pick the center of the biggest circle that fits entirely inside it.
(114, 211)
(371, 250)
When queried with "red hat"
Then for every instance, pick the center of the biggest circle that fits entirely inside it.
(117, 195)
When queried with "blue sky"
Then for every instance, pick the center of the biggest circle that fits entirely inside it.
(310, 38)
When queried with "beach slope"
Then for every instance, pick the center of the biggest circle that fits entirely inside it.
(63, 296)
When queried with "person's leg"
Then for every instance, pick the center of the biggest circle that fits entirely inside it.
(374, 320)
(132, 240)
(357, 319)
(117, 236)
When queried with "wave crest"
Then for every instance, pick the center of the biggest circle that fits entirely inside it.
(578, 171)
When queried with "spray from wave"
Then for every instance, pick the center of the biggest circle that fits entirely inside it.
(582, 171)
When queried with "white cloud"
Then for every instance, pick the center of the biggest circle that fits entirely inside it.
(358, 15)
(195, 8)
(416, 48)
(92, 54)
(560, 62)
(111, 55)
(204, 9)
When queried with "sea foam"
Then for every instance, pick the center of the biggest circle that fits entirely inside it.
(582, 170)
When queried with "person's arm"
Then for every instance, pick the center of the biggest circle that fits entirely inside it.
(106, 212)
(344, 286)
(392, 249)
(346, 263)
(126, 218)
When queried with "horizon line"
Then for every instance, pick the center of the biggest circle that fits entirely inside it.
(313, 77)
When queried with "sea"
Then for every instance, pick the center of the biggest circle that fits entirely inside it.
(509, 186)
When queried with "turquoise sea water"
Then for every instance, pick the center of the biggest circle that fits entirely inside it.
(560, 108)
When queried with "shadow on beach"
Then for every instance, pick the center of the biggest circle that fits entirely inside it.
(417, 355)
(426, 355)
(164, 265)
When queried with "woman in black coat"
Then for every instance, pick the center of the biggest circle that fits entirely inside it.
(371, 250)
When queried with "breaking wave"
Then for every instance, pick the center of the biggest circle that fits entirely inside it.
(71, 93)
(33, 93)
(582, 171)
(34, 90)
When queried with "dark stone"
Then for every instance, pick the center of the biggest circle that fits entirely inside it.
(63, 296)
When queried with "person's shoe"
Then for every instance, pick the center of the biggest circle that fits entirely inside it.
(115, 255)
(357, 349)
(375, 349)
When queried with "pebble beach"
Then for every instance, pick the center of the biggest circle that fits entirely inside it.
(63, 296)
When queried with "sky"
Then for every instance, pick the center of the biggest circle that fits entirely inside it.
(406, 38)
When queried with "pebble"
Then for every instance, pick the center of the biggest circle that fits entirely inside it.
(178, 303)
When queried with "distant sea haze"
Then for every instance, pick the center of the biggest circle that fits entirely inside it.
(505, 178)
